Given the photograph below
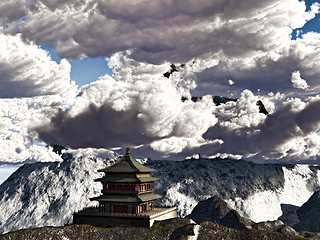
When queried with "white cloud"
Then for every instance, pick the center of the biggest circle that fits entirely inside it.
(139, 108)
(16, 142)
(158, 31)
(231, 82)
(27, 71)
(142, 108)
(314, 9)
(259, 53)
(297, 81)
(289, 133)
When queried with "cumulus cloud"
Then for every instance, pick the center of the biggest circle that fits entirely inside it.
(268, 71)
(297, 81)
(288, 133)
(15, 116)
(140, 107)
(11, 10)
(314, 9)
(26, 70)
(158, 31)
(259, 53)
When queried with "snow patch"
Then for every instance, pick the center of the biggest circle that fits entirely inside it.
(196, 230)
(265, 205)
(174, 197)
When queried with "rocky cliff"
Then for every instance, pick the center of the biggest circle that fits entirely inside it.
(309, 214)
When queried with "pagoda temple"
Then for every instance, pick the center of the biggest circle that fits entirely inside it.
(127, 187)
(127, 197)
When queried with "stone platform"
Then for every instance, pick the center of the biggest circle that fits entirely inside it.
(92, 216)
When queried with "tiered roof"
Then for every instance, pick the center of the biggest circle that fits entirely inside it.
(127, 165)
(127, 170)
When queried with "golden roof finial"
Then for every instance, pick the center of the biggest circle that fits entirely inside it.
(127, 151)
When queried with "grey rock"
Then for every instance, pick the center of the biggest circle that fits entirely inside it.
(183, 233)
(309, 214)
(289, 214)
(275, 226)
(215, 209)
(268, 225)
(210, 230)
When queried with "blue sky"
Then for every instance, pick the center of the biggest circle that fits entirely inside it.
(83, 71)
(313, 25)
(6, 171)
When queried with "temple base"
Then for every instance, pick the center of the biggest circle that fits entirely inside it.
(92, 216)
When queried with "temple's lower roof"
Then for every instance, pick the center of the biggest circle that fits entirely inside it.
(126, 179)
(127, 199)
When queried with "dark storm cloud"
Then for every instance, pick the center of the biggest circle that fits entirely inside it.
(127, 114)
(96, 127)
(11, 10)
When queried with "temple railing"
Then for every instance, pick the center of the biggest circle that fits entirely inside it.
(121, 191)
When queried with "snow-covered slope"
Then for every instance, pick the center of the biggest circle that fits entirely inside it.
(42, 194)
(48, 193)
(254, 190)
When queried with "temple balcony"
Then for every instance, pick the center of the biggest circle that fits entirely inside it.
(105, 192)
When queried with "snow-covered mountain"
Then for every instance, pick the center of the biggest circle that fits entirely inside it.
(48, 193)
(41, 194)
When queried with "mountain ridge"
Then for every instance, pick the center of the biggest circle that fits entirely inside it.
(48, 193)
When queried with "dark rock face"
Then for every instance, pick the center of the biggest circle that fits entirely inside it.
(215, 209)
(289, 214)
(222, 100)
(309, 214)
(262, 108)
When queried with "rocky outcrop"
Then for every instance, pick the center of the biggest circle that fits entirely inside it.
(215, 209)
(309, 214)
(160, 230)
(289, 214)
(275, 226)
(210, 230)
(175, 229)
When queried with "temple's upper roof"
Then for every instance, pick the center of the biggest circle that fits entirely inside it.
(127, 165)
